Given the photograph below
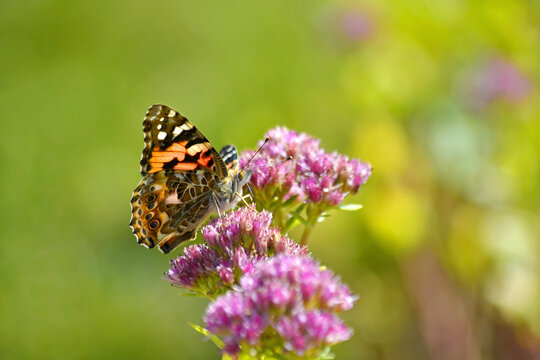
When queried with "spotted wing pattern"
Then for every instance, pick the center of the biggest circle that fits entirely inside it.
(168, 207)
(181, 174)
(172, 142)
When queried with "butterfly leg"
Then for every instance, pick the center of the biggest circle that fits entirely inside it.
(243, 198)
(251, 197)
(250, 191)
(216, 205)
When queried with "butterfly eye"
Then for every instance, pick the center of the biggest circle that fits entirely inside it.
(240, 176)
(154, 224)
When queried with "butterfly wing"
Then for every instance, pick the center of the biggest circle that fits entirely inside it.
(180, 169)
(168, 207)
(172, 142)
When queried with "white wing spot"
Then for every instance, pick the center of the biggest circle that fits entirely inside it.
(172, 113)
(173, 199)
(161, 135)
(177, 131)
(160, 126)
(186, 126)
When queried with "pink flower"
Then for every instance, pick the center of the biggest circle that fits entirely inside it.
(497, 79)
(290, 295)
(312, 175)
(236, 242)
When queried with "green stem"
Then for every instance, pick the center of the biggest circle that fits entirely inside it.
(278, 214)
(313, 212)
(305, 235)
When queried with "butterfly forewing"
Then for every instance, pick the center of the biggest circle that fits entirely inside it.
(171, 141)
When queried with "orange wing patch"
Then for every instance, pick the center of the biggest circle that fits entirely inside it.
(205, 158)
(177, 153)
(202, 149)
(185, 166)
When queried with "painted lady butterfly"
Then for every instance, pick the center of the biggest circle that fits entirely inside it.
(184, 180)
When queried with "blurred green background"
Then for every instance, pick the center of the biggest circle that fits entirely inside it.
(440, 96)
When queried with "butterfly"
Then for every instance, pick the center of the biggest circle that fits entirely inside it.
(184, 181)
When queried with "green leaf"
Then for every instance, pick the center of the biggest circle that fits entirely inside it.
(216, 340)
(322, 217)
(351, 207)
(300, 218)
(301, 207)
(327, 354)
(291, 223)
(289, 201)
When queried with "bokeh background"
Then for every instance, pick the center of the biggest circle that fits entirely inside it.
(440, 96)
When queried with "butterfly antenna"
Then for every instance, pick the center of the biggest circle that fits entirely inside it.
(256, 152)
(274, 163)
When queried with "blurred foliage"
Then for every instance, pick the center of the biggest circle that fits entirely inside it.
(440, 96)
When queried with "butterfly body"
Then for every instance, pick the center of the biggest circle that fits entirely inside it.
(184, 180)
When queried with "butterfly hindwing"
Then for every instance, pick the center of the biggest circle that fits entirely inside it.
(168, 207)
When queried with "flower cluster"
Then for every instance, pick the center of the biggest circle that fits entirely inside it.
(235, 243)
(313, 175)
(288, 302)
(269, 297)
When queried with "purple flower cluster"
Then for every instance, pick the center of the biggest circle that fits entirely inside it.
(288, 299)
(498, 79)
(356, 25)
(313, 175)
(236, 242)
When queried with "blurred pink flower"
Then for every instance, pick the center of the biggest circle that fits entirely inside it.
(498, 79)
(355, 25)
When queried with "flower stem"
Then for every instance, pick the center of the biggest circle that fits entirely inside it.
(278, 213)
(305, 235)
(313, 211)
